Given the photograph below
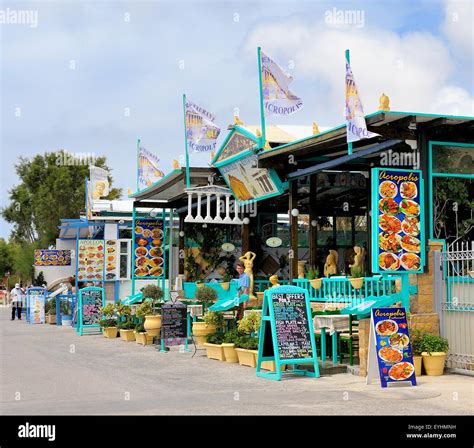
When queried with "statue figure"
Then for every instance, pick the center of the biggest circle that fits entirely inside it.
(238, 121)
(384, 103)
(175, 164)
(359, 257)
(330, 267)
(247, 259)
(315, 128)
(274, 281)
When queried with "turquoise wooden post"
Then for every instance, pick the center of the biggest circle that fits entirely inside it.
(334, 347)
(323, 344)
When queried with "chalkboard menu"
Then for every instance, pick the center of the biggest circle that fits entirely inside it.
(91, 302)
(174, 323)
(292, 325)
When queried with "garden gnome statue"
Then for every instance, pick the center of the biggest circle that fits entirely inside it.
(247, 259)
(330, 267)
(384, 103)
(274, 281)
(359, 257)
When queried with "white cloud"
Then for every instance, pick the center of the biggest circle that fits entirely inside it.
(414, 69)
(458, 26)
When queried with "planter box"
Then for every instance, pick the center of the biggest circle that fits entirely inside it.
(143, 338)
(247, 357)
(66, 321)
(270, 365)
(127, 335)
(110, 332)
(215, 351)
(230, 353)
(50, 319)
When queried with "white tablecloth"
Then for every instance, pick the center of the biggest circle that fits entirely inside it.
(335, 322)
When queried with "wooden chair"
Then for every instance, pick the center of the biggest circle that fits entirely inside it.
(350, 340)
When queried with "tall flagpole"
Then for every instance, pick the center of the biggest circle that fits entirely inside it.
(262, 114)
(188, 180)
(138, 164)
(348, 59)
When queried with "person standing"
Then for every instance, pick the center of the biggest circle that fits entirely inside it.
(244, 288)
(16, 295)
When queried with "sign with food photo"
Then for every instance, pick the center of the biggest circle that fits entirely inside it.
(90, 261)
(148, 258)
(53, 257)
(393, 346)
(397, 221)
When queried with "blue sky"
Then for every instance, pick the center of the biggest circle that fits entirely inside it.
(142, 56)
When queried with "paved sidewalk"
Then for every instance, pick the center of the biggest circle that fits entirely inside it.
(50, 370)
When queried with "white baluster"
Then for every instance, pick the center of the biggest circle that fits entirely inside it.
(199, 217)
(208, 208)
(189, 217)
(218, 208)
(236, 219)
(227, 218)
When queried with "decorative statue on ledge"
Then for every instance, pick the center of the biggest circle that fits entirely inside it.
(384, 103)
(330, 267)
(359, 258)
(274, 281)
(247, 259)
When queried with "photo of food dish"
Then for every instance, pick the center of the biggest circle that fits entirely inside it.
(390, 354)
(409, 208)
(155, 272)
(156, 252)
(401, 371)
(390, 224)
(411, 226)
(390, 242)
(408, 190)
(141, 251)
(157, 233)
(388, 206)
(146, 233)
(110, 276)
(138, 230)
(141, 241)
(388, 261)
(156, 242)
(110, 243)
(411, 244)
(110, 250)
(399, 340)
(141, 261)
(411, 262)
(154, 262)
(388, 189)
(141, 272)
(386, 327)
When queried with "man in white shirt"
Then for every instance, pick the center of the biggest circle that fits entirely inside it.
(16, 296)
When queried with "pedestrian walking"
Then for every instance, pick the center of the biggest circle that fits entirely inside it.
(16, 295)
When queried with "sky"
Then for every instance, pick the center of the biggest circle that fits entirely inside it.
(92, 77)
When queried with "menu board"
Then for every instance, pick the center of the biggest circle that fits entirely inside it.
(36, 303)
(398, 220)
(111, 260)
(44, 257)
(148, 248)
(393, 346)
(91, 304)
(292, 325)
(90, 263)
(174, 323)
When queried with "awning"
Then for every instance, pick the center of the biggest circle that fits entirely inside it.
(344, 159)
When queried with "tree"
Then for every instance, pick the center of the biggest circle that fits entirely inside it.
(6, 258)
(39, 280)
(52, 186)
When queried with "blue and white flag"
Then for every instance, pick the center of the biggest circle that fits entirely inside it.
(148, 172)
(355, 118)
(277, 97)
(201, 131)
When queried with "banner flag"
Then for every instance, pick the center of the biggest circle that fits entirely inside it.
(277, 97)
(99, 182)
(355, 118)
(148, 172)
(201, 131)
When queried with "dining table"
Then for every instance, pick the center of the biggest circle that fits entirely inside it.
(333, 323)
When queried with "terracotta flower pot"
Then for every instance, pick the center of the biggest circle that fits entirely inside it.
(201, 330)
(153, 324)
(230, 353)
(434, 363)
(215, 351)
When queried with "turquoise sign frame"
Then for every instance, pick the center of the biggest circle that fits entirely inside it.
(80, 324)
(375, 182)
(32, 294)
(269, 323)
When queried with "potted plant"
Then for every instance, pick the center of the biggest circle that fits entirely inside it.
(246, 348)
(357, 277)
(212, 321)
(250, 323)
(50, 311)
(151, 311)
(141, 336)
(214, 347)
(109, 321)
(66, 316)
(416, 338)
(313, 276)
(434, 350)
(206, 295)
(125, 325)
(228, 344)
(225, 284)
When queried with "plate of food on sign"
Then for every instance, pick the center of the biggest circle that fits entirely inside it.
(388, 189)
(390, 354)
(399, 340)
(408, 190)
(390, 223)
(411, 225)
(401, 371)
(386, 327)
(389, 261)
(411, 262)
(409, 207)
(390, 242)
(411, 244)
(389, 206)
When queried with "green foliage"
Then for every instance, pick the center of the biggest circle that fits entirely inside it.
(226, 278)
(431, 343)
(50, 307)
(6, 258)
(51, 187)
(107, 323)
(153, 292)
(144, 309)
(39, 280)
(232, 336)
(109, 310)
(250, 323)
(313, 273)
(356, 271)
(140, 328)
(127, 325)
(215, 318)
(215, 338)
(153, 299)
(415, 338)
(23, 256)
(247, 342)
(124, 310)
(206, 295)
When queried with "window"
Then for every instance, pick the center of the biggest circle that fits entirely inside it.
(124, 259)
